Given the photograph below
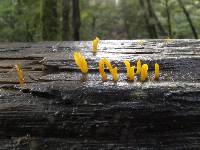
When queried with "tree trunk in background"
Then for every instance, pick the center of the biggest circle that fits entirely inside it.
(157, 21)
(154, 19)
(93, 25)
(76, 19)
(49, 21)
(168, 18)
(127, 28)
(65, 20)
(148, 19)
(12, 22)
(188, 19)
(29, 36)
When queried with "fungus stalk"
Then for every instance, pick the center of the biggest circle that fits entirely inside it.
(157, 72)
(130, 70)
(139, 65)
(95, 43)
(20, 75)
(144, 72)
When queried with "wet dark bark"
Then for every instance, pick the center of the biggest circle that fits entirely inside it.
(57, 109)
(188, 19)
(76, 19)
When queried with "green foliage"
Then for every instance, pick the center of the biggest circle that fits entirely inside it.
(17, 22)
(27, 20)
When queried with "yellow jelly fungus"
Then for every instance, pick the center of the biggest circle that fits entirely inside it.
(144, 72)
(139, 65)
(157, 72)
(130, 70)
(112, 70)
(95, 43)
(81, 62)
(20, 75)
(141, 42)
(168, 40)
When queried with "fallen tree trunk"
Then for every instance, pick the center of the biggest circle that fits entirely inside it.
(59, 108)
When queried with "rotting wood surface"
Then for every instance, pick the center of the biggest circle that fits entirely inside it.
(59, 108)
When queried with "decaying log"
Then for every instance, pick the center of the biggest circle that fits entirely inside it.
(59, 108)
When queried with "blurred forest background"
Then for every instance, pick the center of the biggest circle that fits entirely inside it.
(53, 20)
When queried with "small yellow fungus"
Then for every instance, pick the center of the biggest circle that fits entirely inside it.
(144, 72)
(157, 73)
(168, 40)
(20, 75)
(130, 70)
(141, 42)
(112, 70)
(81, 62)
(139, 65)
(95, 43)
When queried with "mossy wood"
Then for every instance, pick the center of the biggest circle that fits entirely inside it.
(59, 108)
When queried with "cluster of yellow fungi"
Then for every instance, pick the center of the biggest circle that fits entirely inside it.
(142, 69)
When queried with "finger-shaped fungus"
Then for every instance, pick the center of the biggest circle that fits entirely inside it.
(130, 70)
(81, 62)
(95, 43)
(144, 72)
(157, 72)
(168, 40)
(139, 65)
(20, 75)
(141, 42)
(112, 70)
